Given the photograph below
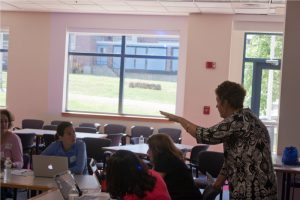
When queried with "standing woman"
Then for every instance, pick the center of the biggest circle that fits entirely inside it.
(66, 145)
(169, 162)
(11, 146)
(248, 163)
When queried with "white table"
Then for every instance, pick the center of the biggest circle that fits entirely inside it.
(141, 149)
(41, 132)
(287, 171)
(85, 182)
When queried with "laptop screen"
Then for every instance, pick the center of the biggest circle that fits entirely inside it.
(67, 184)
(49, 166)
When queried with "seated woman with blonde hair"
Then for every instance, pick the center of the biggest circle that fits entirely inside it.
(169, 162)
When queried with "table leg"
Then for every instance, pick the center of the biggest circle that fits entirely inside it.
(283, 185)
(288, 186)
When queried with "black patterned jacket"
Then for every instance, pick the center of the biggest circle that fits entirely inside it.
(248, 163)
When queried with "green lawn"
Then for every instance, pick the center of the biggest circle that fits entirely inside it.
(100, 94)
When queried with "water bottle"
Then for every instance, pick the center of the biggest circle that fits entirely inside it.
(7, 169)
(141, 139)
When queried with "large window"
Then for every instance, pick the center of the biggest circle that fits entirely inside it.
(3, 66)
(122, 74)
(261, 78)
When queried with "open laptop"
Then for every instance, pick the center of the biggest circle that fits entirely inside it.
(49, 166)
(69, 189)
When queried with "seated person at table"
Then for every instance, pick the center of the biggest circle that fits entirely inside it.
(169, 162)
(11, 146)
(67, 145)
(128, 178)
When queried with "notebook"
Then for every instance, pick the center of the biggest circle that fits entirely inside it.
(69, 189)
(49, 166)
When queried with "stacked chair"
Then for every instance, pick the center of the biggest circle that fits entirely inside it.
(110, 129)
(174, 133)
(94, 150)
(137, 131)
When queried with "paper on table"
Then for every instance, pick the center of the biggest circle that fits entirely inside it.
(22, 172)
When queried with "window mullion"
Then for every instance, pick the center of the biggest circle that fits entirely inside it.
(122, 69)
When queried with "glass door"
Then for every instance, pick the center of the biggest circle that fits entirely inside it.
(261, 78)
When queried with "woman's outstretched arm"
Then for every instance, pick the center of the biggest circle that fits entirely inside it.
(187, 125)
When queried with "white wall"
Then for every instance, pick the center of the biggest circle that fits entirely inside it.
(37, 56)
(290, 96)
(208, 40)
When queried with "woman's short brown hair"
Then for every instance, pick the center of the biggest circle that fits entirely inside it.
(231, 92)
(9, 115)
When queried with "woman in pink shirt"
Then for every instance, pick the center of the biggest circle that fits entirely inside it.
(128, 178)
(11, 145)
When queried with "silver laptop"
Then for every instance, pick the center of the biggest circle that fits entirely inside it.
(69, 189)
(49, 166)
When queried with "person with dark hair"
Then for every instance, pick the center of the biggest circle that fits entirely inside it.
(67, 145)
(169, 162)
(128, 178)
(248, 163)
(11, 146)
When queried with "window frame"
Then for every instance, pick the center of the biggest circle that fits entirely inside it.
(122, 57)
(257, 68)
(5, 50)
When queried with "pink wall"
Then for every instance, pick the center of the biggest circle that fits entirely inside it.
(205, 43)
(37, 59)
(290, 95)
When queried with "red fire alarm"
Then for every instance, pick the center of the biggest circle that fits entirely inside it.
(206, 110)
(210, 65)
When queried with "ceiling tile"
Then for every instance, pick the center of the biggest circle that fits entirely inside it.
(74, 2)
(29, 6)
(150, 8)
(183, 9)
(5, 6)
(255, 11)
(213, 5)
(217, 10)
(143, 3)
(178, 4)
(117, 8)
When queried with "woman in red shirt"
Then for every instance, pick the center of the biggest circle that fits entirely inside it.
(128, 178)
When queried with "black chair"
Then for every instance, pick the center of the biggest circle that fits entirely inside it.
(114, 128)
(48, 139)
(209, 162)
(26, 161)
(137, 131)
(91, 125)
(174, 133)
(28, 142)
(57, 122)
(50, 127)
(115, 139)
(32, 123)
(295, 184)
(193, 161)
(86, 129)
(94, 150)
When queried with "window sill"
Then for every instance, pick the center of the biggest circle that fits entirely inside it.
(116, 117)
